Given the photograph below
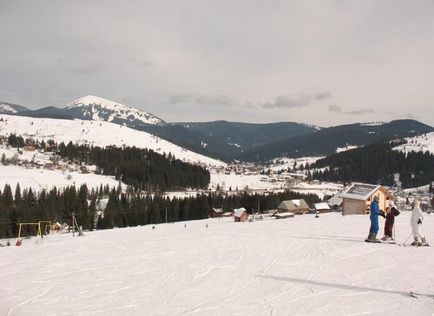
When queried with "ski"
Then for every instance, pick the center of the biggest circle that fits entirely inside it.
(420, 295)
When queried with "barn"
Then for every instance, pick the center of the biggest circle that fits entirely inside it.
(357, 198)
(240, 215)
(293, 206)
(216, 212)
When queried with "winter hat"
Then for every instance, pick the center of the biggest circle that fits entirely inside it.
(391, 204)
(376, 198)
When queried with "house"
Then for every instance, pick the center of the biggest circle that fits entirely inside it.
(321, 207)
(335, 202)
(216, 212)
(293, 206)
(357, 198)
(240, 215)
(227, 214)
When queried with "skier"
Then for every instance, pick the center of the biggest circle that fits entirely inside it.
(375, 212)
(416, 221)
(391, 213)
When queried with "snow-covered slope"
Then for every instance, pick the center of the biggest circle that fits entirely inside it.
(423, 143)
(100, 109)
(39, 179)
(9, 108)
(95, 133)
(298, 266)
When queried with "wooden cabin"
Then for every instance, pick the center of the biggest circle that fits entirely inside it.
(321, 207)
(358, 197)
(240, 215)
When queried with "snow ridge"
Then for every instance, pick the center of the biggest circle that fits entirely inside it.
(100, 109)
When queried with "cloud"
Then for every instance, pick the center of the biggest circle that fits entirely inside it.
(297, 100)
(204, 99)
(358, 112)
(335, 108)
(338, 109)
(322, 95)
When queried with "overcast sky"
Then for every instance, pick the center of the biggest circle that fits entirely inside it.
(319, 62)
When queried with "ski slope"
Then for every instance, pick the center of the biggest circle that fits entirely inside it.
(96, 133)
(418, 143)
(298, 266)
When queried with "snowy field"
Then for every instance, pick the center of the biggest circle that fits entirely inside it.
(298, 266)
(39, 179)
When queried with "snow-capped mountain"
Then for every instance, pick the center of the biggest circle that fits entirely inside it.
(9, 108)
(99, 109)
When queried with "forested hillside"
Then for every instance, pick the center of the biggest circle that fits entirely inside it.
(377, 164)
(141, 168)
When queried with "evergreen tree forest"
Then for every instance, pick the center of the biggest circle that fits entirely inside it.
(123, 208)
(377, 164)
(141, 168)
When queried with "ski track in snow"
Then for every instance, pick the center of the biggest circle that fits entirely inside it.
(294, 266)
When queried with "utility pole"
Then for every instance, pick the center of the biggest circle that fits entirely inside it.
(166, 215)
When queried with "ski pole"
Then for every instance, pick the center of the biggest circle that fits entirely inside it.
(407, 239)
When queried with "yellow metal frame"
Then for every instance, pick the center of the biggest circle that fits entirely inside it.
(47, 225)
(30, 224)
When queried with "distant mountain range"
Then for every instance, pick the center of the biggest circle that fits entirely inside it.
(230, 140)
(327, 140)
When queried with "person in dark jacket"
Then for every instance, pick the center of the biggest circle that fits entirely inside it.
(375, 212)
(391, 213)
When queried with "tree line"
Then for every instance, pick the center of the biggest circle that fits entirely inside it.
(130, 208)
(376, 163)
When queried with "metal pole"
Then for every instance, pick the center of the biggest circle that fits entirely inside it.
(72, 218)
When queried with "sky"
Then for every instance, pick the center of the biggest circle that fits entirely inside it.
(318, 62)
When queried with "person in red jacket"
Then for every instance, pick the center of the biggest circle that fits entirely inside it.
(391, 213)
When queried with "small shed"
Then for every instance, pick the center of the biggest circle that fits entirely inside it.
(335, 202)
(240, 215)
(216, 212)
(321, 207)
(284, 215)
(293, 206)
(358, 197)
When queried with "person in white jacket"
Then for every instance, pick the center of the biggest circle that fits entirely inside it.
(416, 221)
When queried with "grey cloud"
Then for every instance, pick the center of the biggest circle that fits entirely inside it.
(322, 95)
(204, 99)
(358, 112)
(338, 109)
(335, 108)
(298, 100)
